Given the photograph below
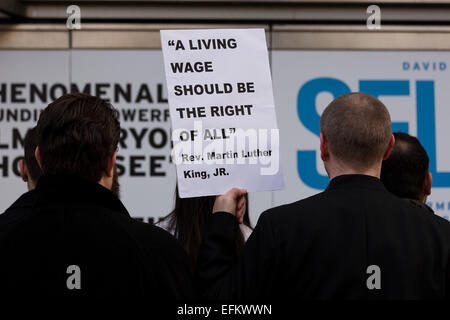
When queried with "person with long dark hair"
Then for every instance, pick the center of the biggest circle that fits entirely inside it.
(189, 217)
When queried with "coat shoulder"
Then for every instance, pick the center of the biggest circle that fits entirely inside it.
(295, 211)
(149, 236)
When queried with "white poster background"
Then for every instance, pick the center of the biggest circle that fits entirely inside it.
(244, 60)
(22, 68)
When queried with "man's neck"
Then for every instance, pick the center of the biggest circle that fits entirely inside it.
(340, 170)
(105, 182)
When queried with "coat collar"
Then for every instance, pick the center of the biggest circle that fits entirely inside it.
(355, 180)
(28, 199)
(52, 189)
(419, 204)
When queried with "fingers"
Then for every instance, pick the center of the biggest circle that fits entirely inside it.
(242, 214)
(236, 193)
(241, 208)
(232, 202)
(241, 202)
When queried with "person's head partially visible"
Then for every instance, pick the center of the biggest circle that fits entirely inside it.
(356, 135)
(79, 135)
(29, 168)
(406, 172)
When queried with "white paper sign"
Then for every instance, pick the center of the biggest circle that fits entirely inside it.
(224, 127)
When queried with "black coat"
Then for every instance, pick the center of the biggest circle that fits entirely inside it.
(72, 221)
(321, 248)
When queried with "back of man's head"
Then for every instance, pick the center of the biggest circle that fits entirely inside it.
(405, 172)
(357, 128)
(78, 134)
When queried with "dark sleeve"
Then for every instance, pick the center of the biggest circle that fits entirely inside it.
(447, 276)
(447, 280)
(444, 229)
(224, 276)
(167, 275)
(174, 274)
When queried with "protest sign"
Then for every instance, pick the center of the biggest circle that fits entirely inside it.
(224, 127)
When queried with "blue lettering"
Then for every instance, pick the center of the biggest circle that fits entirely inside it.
(426, 129)
(306, 110)
(379, 88)
(440, 206)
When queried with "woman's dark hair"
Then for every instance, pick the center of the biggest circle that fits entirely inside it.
(188, 219)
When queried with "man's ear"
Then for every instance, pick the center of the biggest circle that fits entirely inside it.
(23, 170)
(37, 155)
(428, 184)
(389, 148)
(111, 163)
(324, 153)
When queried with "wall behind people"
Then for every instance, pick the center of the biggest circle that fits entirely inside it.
(133, 81)
(412, 84)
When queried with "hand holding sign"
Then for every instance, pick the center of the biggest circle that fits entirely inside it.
(233, 202)
(223, 116)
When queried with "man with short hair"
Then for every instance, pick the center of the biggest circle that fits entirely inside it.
(355, 240)
(30, 171)
(77, 238)
(406, 172)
